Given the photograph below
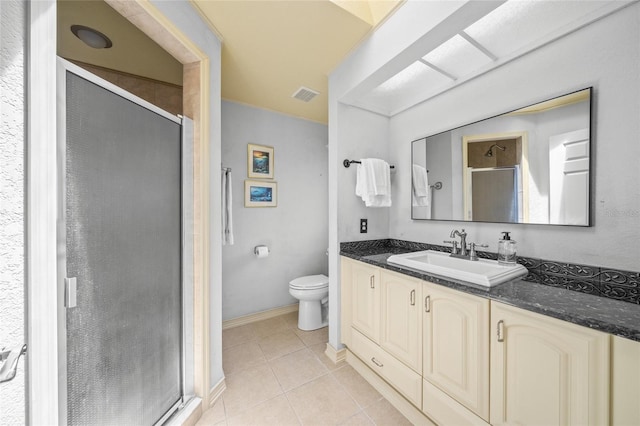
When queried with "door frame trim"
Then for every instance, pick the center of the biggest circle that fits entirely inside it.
(40, 158)
(41, 270)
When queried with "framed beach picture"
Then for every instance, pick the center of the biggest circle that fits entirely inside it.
(260, 193)
(260, 161)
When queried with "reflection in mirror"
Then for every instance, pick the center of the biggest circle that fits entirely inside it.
(531, 165)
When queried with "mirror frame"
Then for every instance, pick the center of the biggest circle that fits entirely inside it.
(591, 188)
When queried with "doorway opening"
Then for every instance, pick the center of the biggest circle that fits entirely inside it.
(495, 177)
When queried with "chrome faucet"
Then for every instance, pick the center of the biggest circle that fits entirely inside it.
(463, 253)
(463, 241)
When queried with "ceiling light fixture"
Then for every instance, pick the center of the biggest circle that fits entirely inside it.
(91, 37)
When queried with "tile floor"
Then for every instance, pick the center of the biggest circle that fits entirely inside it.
(279, 375)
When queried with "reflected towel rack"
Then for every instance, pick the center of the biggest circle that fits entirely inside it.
(226, 169)
(347, 163)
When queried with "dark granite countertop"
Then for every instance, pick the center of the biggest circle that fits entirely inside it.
(599, 313)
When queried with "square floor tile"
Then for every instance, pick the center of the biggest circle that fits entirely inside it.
(242, 356)
(318, 350)
(213, 415)
(276, 345)
(361, 391)
(237, 335)
(270, 326)
(322, 402)
(313, 337)
(276, 411)
(383, 413)
(248, 388)
(360, 419)
(291, 319)
(297, 368)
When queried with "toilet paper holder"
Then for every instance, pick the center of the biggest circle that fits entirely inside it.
(261, 250)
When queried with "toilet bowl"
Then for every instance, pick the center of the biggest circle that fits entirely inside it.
(312, 292)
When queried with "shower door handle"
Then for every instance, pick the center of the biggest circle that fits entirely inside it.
(9, 359)
(70, 292)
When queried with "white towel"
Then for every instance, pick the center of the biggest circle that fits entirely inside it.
(421, 196)
(373, 182)
(227, 213)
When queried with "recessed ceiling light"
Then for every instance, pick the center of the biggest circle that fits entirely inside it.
(91, 37)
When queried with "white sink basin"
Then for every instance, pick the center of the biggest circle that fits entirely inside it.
(487, 273)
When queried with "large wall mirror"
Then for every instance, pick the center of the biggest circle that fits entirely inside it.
(531, 165)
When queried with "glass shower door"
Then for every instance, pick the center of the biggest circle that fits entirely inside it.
(121, 231)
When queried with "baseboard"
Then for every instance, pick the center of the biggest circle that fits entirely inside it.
(248, 319)
(414, 415)
(216, 392)
(335, 355)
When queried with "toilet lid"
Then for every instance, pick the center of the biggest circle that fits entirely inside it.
(310, 282)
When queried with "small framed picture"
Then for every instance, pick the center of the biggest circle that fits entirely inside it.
(260, 193)
(260, 161)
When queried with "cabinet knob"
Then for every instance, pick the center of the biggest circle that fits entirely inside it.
(412, 298)
(372, 281)
(427, 304)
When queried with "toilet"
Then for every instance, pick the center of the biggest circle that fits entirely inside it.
(312, 291)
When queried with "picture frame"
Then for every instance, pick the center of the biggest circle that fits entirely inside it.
(260, 193)
(260, 161)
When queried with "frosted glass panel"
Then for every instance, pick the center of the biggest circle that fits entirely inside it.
(123, 245)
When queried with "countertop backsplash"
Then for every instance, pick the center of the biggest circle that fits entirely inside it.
(595, 280)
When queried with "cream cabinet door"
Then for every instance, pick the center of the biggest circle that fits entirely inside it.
(625, 382)
(456, 346)
(365, 300)
(545, 371)
(400, 315)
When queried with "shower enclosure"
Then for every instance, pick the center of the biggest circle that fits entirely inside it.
(121, 251)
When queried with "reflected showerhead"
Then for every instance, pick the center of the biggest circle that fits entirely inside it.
(490, 152)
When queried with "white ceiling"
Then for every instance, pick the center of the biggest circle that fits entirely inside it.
(509, 31)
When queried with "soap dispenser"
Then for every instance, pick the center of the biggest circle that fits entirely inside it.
(506, 250)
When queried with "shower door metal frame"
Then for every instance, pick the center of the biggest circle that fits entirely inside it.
(186, 256)
(516, 194)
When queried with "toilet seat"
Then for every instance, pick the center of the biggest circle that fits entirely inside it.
(310, 282)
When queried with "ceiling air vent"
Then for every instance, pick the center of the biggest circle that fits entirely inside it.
(305, 94)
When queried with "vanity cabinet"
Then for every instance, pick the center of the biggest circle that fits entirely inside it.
(365, 299)
(465, 360)
(547, 371)
(401, 318)
(625, 382)
(456, 356)
(385, 324)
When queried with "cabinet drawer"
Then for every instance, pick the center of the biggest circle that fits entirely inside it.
(405, 380)
(445, 410)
